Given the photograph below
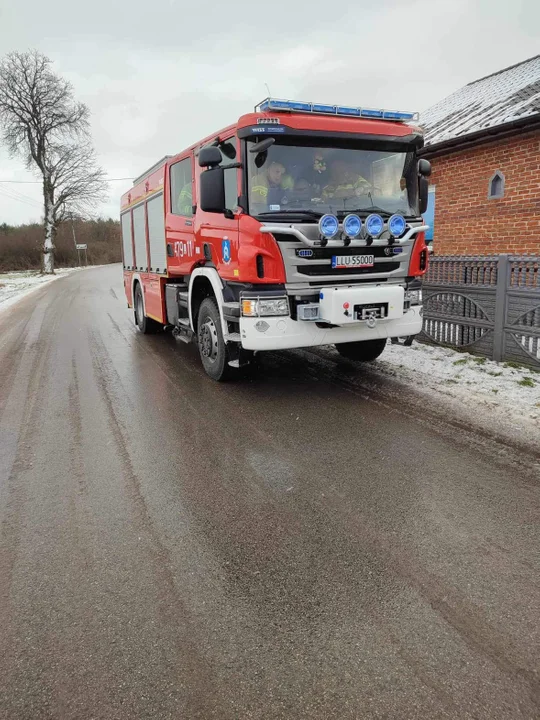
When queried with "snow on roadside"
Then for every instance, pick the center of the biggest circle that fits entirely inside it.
(16, 285)
(501, 392)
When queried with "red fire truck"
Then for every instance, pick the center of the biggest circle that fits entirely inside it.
(299, 225)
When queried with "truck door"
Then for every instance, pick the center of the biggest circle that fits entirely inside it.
(181, 252)
(217, 230)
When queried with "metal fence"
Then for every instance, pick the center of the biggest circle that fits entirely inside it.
(489, 306)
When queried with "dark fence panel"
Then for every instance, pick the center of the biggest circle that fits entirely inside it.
(489, 306)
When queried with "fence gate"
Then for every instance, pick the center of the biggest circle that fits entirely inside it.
(488, 306)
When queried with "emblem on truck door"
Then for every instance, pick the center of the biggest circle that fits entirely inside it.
(226, 250)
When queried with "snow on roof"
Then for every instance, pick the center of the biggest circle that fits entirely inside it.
(507, 95)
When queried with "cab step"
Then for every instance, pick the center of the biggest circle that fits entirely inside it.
(182, 331)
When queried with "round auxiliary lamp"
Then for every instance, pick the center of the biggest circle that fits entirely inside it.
(328, 228)
(352, 227)
(374, 227)
(396, 226)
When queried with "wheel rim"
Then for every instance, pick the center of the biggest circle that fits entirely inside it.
(139, 309)
(208, 340)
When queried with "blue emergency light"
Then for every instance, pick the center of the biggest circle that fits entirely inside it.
(352, 225)
(397, 225)
(275, 105)
(328, 226)
(374, 225)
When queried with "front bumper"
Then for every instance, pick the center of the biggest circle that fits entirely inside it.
(281, 333)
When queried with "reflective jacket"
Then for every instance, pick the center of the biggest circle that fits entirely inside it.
(260, 187)
(185, 200)
(345, 189)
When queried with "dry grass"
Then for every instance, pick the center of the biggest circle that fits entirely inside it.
(20, 247)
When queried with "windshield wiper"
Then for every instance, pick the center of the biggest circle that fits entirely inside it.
(376, 209)
(314, 214)
(372, 208)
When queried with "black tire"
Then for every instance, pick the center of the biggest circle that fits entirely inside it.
(145, 324)
(212, 347)
(365, 351)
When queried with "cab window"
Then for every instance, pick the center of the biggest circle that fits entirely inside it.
(181, 188)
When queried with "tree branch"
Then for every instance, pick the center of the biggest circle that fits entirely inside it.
(42, 122)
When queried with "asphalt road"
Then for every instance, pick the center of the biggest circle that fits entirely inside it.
(305, 543)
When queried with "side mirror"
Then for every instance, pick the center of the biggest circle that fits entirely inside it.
(209, 156)
(263, 145)
(228, 149)
(260, 159)
(261, 150)
(424, 167)
(423, 187)
(212, 188)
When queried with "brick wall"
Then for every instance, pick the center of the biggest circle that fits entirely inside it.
(466, 222)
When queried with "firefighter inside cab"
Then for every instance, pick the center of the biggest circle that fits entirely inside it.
(185, 200)
(327, 177)
(268, 187)
(345, 182)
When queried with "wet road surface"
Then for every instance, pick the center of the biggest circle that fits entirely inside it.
(304, 543)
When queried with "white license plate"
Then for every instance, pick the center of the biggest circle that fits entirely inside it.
(352, 261)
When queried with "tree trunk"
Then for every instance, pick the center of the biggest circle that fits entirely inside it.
(47, 265)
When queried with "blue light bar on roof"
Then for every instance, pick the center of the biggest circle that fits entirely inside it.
(351, 111)
(301, 106)
(369, 113)
(274, 105)
(391, 115)
(326, 109)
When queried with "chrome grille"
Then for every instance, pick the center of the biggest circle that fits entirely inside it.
(327, 270)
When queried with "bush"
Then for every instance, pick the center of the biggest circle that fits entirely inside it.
(20, 247)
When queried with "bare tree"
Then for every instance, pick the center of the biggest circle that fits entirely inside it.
(43, 123)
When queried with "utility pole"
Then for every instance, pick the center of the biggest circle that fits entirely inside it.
(79, 247)
(75, 243)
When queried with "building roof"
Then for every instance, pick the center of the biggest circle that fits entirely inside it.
(498, 99)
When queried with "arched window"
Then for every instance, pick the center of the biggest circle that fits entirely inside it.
(496, 186)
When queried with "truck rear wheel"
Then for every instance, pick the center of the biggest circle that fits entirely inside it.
(212, 347)
(365, 351)
(145, 324)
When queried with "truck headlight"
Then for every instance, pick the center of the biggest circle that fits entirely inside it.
(265, 307)
(276, 306)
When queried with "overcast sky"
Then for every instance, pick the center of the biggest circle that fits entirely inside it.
(160, 75)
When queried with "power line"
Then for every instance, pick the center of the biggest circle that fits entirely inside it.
(11, 195)
(16, 193)
(38, 182)
(20, 194)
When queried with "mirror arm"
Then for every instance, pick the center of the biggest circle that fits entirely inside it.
(262, 145)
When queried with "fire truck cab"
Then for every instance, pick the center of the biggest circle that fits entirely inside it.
(299, 225)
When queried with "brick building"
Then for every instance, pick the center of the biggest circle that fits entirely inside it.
(483, 142)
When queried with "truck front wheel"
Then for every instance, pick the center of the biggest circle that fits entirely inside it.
(212, 346)
(365, 351)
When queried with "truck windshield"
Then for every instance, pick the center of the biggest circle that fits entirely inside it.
(318, 180)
